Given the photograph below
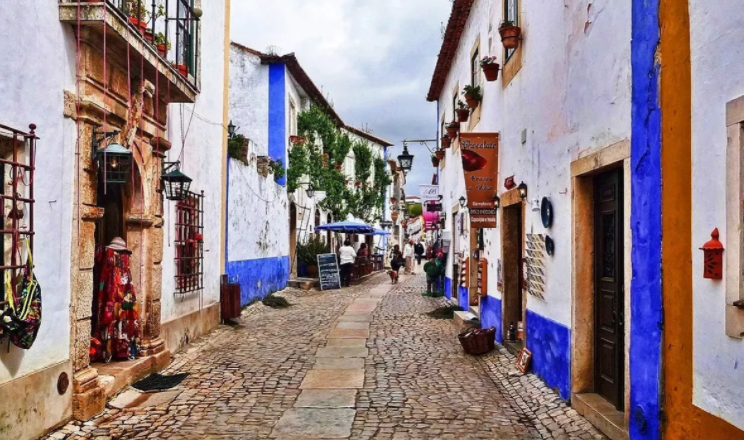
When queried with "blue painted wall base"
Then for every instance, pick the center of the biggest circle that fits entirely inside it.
(463, 299)
(490, 309)
(550, 344)
(259, 278)
(448, 287)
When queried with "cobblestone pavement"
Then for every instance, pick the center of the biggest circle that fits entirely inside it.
(246, 381)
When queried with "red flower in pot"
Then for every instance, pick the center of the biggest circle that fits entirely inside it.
(490, 68)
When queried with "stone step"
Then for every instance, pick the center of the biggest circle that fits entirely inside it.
(462, 323)
(475, 310)
(304, 283)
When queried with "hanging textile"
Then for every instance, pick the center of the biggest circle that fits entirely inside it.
(116, 329)
(22, 319)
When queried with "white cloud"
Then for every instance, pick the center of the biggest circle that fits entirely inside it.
(373, 58)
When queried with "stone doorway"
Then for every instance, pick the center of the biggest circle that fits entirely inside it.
(514, 302)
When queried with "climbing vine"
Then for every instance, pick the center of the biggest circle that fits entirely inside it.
(320, 158)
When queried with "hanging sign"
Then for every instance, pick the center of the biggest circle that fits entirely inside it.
(328, 272)
(430, 220)
(480, 161)
(429, 193)
(434, 207)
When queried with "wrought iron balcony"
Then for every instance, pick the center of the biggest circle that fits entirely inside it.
(163, 38)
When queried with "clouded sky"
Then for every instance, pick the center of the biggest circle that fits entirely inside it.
(373, 59)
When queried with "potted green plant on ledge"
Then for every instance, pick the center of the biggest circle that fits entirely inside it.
(473, 95)
(490, 68)
(510, 34)
(237, 148)
(463, 112)
(307, 256)
(162, 45)
(452, 129)
(276, 167)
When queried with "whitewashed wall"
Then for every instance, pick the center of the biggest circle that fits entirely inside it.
(202, 161)
(717, 77)
(249, 98)
(35, 94)
(572, 95)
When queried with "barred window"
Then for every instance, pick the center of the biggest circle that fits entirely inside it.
(190, 243)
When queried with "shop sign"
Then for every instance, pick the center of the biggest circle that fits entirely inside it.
(480, 160)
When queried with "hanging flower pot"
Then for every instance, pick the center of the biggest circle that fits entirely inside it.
(510, 35)
(462, 114)
(490, 68)
(394, 216)
(473, 95)
(452, 129)
(446, 141)
(393, 200)
(439, 155)
(435, 160)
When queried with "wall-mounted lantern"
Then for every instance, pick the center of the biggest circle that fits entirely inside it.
(386, 224)
(175, 183)
(496, 202)
(231, 129)
(114, 161)
(522, 188)
(713, 257)
(463, 202)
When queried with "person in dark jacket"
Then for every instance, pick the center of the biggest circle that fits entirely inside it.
(396, 262)
(419, 250)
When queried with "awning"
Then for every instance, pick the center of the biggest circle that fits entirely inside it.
(347, 227)
(381, 232)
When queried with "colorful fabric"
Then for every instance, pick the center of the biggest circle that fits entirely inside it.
(116, 329)
(22, 319)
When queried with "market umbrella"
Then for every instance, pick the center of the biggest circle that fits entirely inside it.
(347, 227)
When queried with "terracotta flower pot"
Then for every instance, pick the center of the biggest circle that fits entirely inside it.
(462, 115)
(358, 184)
(510, 36)
(141, 25)
(491, 71)
(472, 103)
(452, 131)
(394, 216)
(435, 161)
(162, 50)
(440, 154)
(312, 270)
(338, 167)
(183, 69)
(148, 36)
(446, 142)
(393, 200)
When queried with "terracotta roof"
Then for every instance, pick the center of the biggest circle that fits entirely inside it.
(450, 43)
(247, 49)
(369, 137)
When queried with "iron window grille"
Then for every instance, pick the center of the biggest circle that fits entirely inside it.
(190, 243)
(17, 165)
(182, 15)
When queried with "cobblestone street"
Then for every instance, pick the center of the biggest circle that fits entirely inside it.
(364, 362)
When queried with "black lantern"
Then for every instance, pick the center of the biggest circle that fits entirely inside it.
(310, 191)
(231, 129)
(405, 159)
(496, 202)
(175, 183)
(522, 188)
(463, 202)
(114, 161)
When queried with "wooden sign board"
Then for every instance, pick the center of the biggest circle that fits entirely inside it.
(330, 278)
(483, 277)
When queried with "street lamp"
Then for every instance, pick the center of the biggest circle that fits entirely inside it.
(231, 129)
(522, 188)
(310, 191)
(405, 159)
(463, 202)
(175, 183)
(496, 202)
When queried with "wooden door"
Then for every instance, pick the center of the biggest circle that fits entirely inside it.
(609, 303)
(512, 253)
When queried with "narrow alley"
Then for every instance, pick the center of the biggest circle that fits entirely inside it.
(364, 362)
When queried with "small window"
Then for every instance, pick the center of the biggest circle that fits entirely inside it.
(190, 243)
(511, 13)
(454, 105)
(292, 118)
(474, 67)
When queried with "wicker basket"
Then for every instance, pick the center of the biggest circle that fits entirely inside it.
(477, 341)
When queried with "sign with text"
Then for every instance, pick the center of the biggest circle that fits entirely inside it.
(328, 272)
(429, 193)
(480, 161)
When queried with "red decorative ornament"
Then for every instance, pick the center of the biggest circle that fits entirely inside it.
(713, 257)
(509, 183)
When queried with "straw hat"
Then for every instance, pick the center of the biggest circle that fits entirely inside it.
(119, 245)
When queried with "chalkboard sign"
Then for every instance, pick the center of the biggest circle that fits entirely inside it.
(328, 272)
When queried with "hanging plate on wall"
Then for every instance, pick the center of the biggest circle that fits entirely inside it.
(549, 245)
(546, 212)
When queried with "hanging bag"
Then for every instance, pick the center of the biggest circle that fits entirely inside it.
(22, 319)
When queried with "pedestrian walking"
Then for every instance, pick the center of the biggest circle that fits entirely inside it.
(419, 250)
(346, 256)
(408, 255)
(396, 262)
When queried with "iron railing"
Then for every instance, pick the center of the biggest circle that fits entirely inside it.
(156, 19)
(189, 243)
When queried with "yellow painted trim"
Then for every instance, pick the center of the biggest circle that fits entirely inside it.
(225, 121)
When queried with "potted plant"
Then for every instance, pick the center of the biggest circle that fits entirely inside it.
(162, 45)
(182, 69)
(393, 200)
(358, 183)
(435, 159)
(446, 141)
(463, 112)
(490, 68)
(439, 155)
(307, 254)
(473, 95)
(452, 129)
(276, 167)
(510, 34)
(338, 166)
(237, 148)
(394, 216)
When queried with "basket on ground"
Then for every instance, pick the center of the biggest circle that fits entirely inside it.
(478, 341)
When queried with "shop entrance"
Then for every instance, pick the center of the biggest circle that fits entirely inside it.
(513, 299)
(609, 304)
